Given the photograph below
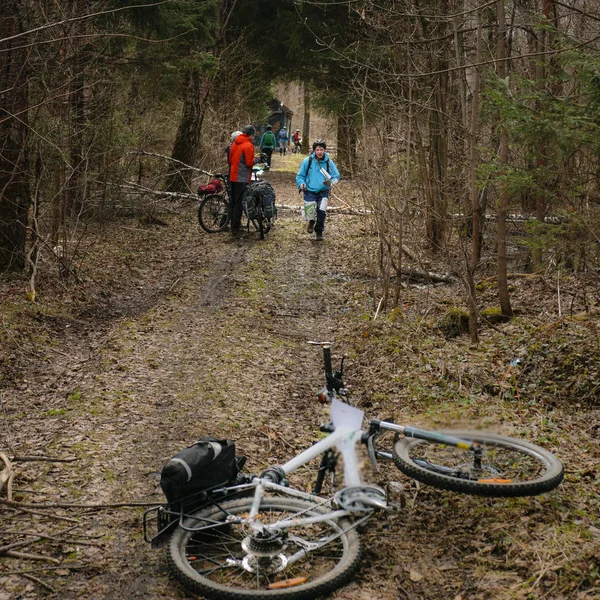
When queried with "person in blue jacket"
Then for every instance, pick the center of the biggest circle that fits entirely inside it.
(316, 176)
(284, 140)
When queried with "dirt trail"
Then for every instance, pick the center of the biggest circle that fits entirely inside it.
(202, 335)
(221, 351)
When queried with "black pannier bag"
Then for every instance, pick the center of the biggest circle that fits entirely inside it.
(206, 464)
(260, 189)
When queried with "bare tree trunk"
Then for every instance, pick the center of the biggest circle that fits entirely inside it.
(438, 158)
(473, 191)
(75, 183)
(14, 165)
(346, 147)
(541, 163)
(197, 89)
(504, 194)
(306, 142)
(188, 134)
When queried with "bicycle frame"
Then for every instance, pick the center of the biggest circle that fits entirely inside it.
(365, 499)
(345, 439)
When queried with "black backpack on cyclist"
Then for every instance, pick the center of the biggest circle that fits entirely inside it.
(206, 464)
(260, 189)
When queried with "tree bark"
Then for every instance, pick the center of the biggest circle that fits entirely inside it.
(188, 134)
(438, 159)
(306, 141)
(75, 192)
(346, 146)
(15, 195)
(504, 194)
(474, 192)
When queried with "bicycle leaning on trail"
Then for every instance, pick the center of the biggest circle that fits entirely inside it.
(214, 211)
(260, 537)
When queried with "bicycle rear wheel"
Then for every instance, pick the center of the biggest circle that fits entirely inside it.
(505, 467)
(261, 223)
(213, 213)
(228, 560)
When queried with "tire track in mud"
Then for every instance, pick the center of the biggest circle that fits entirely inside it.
(223, 352)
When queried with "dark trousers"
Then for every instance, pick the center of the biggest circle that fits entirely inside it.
(268, 152)
(321, 214)
(237, 193)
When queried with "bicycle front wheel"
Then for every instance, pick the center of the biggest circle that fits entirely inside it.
(224, 558)
(213, 213)
(502, 466)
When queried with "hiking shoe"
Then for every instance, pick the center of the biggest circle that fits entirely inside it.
(311, 226)
(319, 237)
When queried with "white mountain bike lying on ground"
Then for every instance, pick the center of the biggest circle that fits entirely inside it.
(259, 537)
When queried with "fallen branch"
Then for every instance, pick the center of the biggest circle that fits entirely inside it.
(515, 218)
(23, 571)
(141, 189)
(18, 507)
(427, 276)
(38, 581)
(32, 557)
(335, 209)
(39, 537)
(169, 158)
(7, 475)
(43, 458)
(94, 506)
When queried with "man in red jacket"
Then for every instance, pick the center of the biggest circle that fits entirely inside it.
(241, 161)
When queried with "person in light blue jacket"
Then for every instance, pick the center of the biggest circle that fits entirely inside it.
(316, 176)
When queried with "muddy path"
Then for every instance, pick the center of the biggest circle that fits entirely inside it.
(217, 345)
(209, 337)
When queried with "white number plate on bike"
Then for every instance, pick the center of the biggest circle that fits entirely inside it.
(344, 415)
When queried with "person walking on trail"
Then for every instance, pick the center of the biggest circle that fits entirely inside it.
(315, 177)
(241, 161)
(268, 143)
(283, 140)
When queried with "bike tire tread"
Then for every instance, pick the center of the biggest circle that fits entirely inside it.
(550, 480)
(306, 592)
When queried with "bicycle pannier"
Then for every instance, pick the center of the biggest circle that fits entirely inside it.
(248, 202)
(207, 463)
(264, 190)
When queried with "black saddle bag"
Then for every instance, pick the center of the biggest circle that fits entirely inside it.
(204, 465)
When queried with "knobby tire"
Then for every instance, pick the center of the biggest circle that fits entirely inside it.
(510, 467)
(213, 213)
(208, 561)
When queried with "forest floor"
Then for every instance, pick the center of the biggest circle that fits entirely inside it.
(170, 334)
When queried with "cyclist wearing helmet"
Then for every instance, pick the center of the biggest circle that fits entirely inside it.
(316, 175)
(297, 141)
(241, 161)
